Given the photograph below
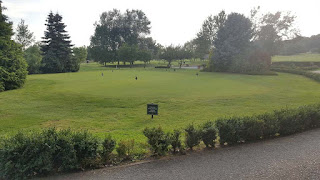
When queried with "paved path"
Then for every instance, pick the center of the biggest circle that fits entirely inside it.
(291, 157)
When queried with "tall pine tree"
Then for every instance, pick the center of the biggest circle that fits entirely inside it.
(13, 67)
(56, 48)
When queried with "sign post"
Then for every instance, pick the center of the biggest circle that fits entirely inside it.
(152, 109)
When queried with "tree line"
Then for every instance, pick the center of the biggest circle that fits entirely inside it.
(232, 42)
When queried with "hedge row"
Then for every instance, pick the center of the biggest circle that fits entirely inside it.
(34, 153)
(297, 64)
(37, 153)
(299, 71)
(282, 122)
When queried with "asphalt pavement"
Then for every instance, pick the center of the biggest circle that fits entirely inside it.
(290, 157)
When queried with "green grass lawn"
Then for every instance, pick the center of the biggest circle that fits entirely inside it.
(298, 58)
(116, 103)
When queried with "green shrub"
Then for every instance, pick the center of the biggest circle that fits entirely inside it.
(86, 147)
(29, 154)
(158, 140)
(125, 149)
(193, 136)
(290, 121)
(208, 134)
(229, 130)
(252, 128)
(24, 155)
(108, 146)
(63, 154)
(175, 140)
(271, 124)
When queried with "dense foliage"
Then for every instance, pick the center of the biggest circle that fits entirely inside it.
(116, 29)
(232, 43)
(13, 68)
(158, 140)
(80, 53)
(56, 48)
(33, 57)
(29, 154)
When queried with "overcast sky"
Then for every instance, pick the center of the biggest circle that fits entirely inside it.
(172, 21)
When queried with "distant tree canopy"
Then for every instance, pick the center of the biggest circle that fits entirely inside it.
(204, 40)
(23, 36)
(272, 29)
(300, 44)
(13, 68)
(244, 44)
(56, 48)
(116, 29)
(171, 53)
(80, 53)
(33, 57)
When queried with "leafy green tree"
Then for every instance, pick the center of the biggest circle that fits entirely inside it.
(115, 29)
(204, 40)
(232, 42)
(150, 45)
(273, 28)
(80, 53)
(128, 53)
(56, 47)
(169, 54)
(144, 55)
(13, 67)
(33, 57)
(23, 35)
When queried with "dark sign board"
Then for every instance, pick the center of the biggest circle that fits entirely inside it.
(152, 109)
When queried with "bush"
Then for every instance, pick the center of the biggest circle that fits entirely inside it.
(29, 154)
(125, 149)
(193, 136)
(175, 140)
(24, 155)
(86, 148)
(158, 140)
(271, 125)
(252, 128)
(229, 130)
(289, 121)
(108, 146)
(208, 134)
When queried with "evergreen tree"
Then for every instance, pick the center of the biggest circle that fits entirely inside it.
(56, 48)
(24, 36)
(232, 42)
(13, 68)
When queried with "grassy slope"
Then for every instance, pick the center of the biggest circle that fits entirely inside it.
(116, 103)
(299, 58)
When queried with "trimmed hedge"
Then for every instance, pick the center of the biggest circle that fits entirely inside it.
(299, 71)
(281, 122)
(29, 154)
(297, 64)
